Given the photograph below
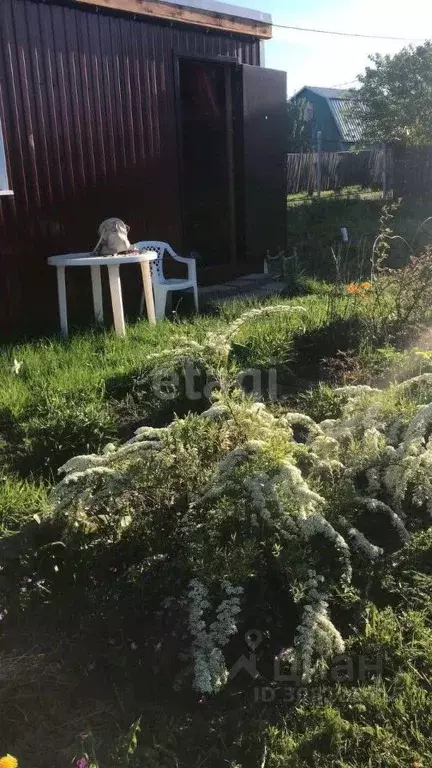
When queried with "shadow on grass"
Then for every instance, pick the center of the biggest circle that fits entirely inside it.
(93, 626)
(314, 347)
(59, 425)
(55, 427)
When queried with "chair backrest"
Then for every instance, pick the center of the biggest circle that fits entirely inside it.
(157, 265)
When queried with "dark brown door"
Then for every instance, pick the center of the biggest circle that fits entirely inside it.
(264, 97)
(207, 176)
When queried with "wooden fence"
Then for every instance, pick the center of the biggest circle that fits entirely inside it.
(412, 173)
(368, 168)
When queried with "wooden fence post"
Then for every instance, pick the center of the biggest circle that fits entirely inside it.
(384, 174)
(318, 172)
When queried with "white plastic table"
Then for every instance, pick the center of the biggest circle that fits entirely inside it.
(113, 264)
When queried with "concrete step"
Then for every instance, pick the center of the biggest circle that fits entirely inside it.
(255, 285)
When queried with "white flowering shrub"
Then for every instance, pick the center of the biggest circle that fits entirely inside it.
(209, 663)
(242, 501)
(316, 635)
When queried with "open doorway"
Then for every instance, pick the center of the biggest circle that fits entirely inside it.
(207, 160)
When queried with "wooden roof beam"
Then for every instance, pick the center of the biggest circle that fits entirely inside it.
(168, 12)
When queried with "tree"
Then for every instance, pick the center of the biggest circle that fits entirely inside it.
(298, 140)
(395, 97)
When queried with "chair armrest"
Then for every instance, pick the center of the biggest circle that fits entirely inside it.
(191, 263)
(183, 259)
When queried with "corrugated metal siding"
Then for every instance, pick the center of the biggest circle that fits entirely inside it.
(348, 123)
(87, 102)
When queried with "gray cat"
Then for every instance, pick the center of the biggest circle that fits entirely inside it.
(113, 238)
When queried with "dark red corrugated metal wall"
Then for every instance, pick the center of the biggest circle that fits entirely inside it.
(87, 102)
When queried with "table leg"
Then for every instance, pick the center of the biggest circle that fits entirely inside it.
(116, 299)
(148, 292)
(62, 301)
(97, 293)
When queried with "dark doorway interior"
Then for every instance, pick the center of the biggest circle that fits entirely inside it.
(206, 128)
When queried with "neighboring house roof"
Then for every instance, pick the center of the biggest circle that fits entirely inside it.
(341, 104)
(327, 93)
(349, 124)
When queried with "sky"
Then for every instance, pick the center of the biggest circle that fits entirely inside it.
(324, 60)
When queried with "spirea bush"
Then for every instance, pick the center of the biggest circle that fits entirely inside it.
(251, 508)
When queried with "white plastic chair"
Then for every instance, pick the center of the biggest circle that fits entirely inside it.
(162, 285)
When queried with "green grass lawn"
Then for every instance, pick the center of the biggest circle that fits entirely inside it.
(71, 397)
(346, 193)
(92, 633)
(314, 233)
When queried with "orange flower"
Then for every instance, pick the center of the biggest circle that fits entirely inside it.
(353, 288)
(8, 761)
(358, 288)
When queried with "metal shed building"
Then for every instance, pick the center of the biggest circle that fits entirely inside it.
(156, 112)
